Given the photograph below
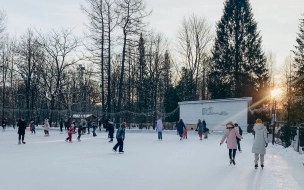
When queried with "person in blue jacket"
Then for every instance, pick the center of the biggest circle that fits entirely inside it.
(180, 127)
(120, 136)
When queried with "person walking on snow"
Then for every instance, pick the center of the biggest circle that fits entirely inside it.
(231, 135)
(79, 132)
(120, 136)
(260, 143)
(4, 123)
(159, 128)
(94, 126)
(46, 127)
(71, 131)
(21, 130)
(200, 129)
(32, 123)
(238, 140)
(111, 130)
(180, 127)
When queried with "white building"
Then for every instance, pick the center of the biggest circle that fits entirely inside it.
(216, 112)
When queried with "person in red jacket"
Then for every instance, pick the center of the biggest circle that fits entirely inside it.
(71, 131)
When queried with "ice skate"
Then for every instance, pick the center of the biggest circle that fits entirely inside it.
(114, 150)
(66, 140)
(121, 152)
(233, 162)
(256, 166)
(262, 166)
(19, 142)
(23, 142)
(110, 141)
(230, 162)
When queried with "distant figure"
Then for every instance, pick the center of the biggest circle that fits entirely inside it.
(185, 134)
(71, 131)
(4, 123)
(238, 140)
(89, 126)
(94, 126)
(99, 124)
(79, 132)
(159, 129)
(260, 143)
(120, 136)
(180, 127)
(106, 122)
(46, 127)
(200, 129)
(111, 131)
(205, 129)
(61, 125)
(32, 125)
(231, 135)
(21, 130)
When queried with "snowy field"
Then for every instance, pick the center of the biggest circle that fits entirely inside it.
(50, 163)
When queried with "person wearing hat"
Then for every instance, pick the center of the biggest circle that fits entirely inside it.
(111, 130)
(21, 130)
(120, 136)
(238, 140)
(260, 143)
(46, 127)
(231, 134)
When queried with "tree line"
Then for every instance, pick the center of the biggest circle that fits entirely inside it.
(120, 64)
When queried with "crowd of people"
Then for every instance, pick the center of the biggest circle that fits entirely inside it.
(232, 135)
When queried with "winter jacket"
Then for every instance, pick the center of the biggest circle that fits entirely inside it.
(200, 128)
(260, 139)
(231, 135)
(239, 130)
(120, 134)
(46, 126)
(71, 130)
(22, 126)
(79, 129)
(180, 127)
(4, 123)
(159, 125)
(111, 127)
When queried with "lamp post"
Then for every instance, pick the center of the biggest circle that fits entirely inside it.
(274, 93)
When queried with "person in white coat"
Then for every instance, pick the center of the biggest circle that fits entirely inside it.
(46, 127)
(260, 143)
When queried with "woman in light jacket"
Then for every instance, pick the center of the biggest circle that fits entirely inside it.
(46, 127)
(260, 143)
(159, 129)
(231, 135)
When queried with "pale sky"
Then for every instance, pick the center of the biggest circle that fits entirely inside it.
(278, 20)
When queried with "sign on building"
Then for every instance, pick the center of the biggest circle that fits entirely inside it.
(216, 112)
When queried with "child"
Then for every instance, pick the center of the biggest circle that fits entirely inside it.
(46, 127)
(159, 129)
(79, 132)
(185, 133)
(71, 130)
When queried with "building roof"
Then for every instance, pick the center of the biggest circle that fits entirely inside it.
(248, 99)
(76, 116)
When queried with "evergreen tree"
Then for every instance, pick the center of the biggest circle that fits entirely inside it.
(186, 86)
(299, 60)
(239, 64)
(142, 73)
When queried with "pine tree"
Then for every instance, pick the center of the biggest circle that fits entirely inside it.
(239, 64)
(299, 60)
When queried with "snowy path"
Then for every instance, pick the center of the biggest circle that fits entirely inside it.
(49, 163)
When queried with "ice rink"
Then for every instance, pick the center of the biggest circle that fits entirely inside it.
(50, 163)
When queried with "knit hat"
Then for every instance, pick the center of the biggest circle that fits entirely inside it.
(229, 124)
(124, 123)
(258, 121)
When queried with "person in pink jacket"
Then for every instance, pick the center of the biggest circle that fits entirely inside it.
(71, 131)
(231, 135)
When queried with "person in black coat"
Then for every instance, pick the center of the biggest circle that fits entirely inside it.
(61, 125)
(21, 130)
(4, 123)
(111, 130)
(180, 127)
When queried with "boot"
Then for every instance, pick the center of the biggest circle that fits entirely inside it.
(256, 166)
(262, 165)
(19, 142)
(23, 142)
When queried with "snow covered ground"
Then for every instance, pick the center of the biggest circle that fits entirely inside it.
(50, 163)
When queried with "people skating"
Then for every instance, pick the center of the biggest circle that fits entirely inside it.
(79, 132)
(4, 124)
(120, 136)
(231, 134)
(260, 143)
(84, 126)
(238, 140)
(71, 131)
(21, 130)
(185, 134)
(32, 124)
(46, 127)
(94, 126)
(200, 129)
(111, 130)
(159, 128)
(180, 127)
(89, 126)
